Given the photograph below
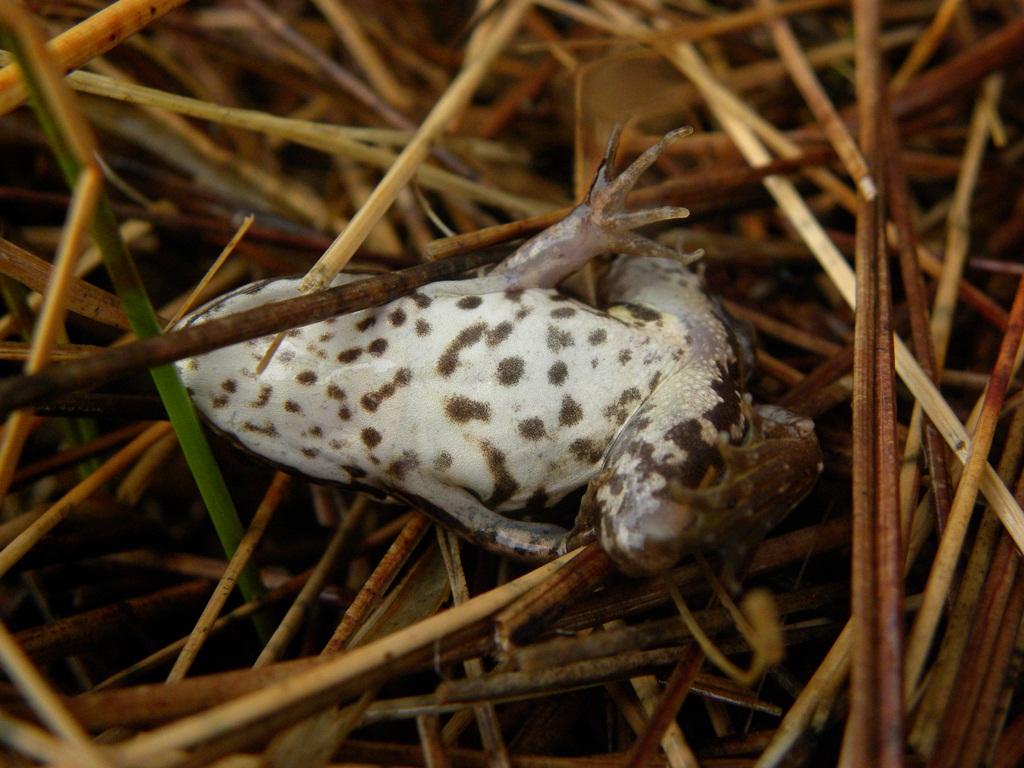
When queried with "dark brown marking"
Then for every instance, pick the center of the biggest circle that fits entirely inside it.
(620, 410)
(310, 453)
(316, 432)
(570, 413)
(449, 359)
(325, 337)
(219, 401)
(267, 430)
(461, 409)
(586, 450)
(422, 328)
(499, 333)
(371, 401)
(697, 456)
(344, 413)
(645, 314)
(625, 356)
(335, 392)
(229, 386)
(557, 339)
(510, 371)
(263, 397)
(421, 299)
(400, 467)
(366, 324)
(442, 461)
(292, 407)
(377, 347)
(306, 378)
(557, 373)
(505, 486)
(514, 295)
(532, 429)
(397, 317)
(562, 313)
(469, 302)
(350, 355)
(371, 437)
(598, 337)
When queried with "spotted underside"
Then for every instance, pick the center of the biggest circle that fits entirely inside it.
(514, 397)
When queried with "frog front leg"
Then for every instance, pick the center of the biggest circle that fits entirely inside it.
(598, 225)
(651, 507)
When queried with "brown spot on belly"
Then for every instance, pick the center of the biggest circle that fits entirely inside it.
(377, 347)
(267, 430)
(350, 355)
(469, 302)
(371, 401)
(370, 437)
(587, 450)
(570, 413)
(421, 299)
(449, 359)
(505, 486)
(499, 333)
(400, 467)
(557, 373)
(462, 409)
(557, 339)
(263, 397)
(510, 371)
(532, 429)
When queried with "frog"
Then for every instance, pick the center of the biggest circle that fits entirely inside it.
(486, 401)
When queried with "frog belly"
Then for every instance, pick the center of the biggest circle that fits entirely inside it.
(513, 397)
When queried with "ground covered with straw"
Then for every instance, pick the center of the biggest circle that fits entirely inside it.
(843, 155)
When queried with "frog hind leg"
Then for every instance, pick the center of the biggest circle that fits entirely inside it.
(598, 225)
(469, 518)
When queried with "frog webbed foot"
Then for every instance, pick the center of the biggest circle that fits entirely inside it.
(604, 207)
(598, 225)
